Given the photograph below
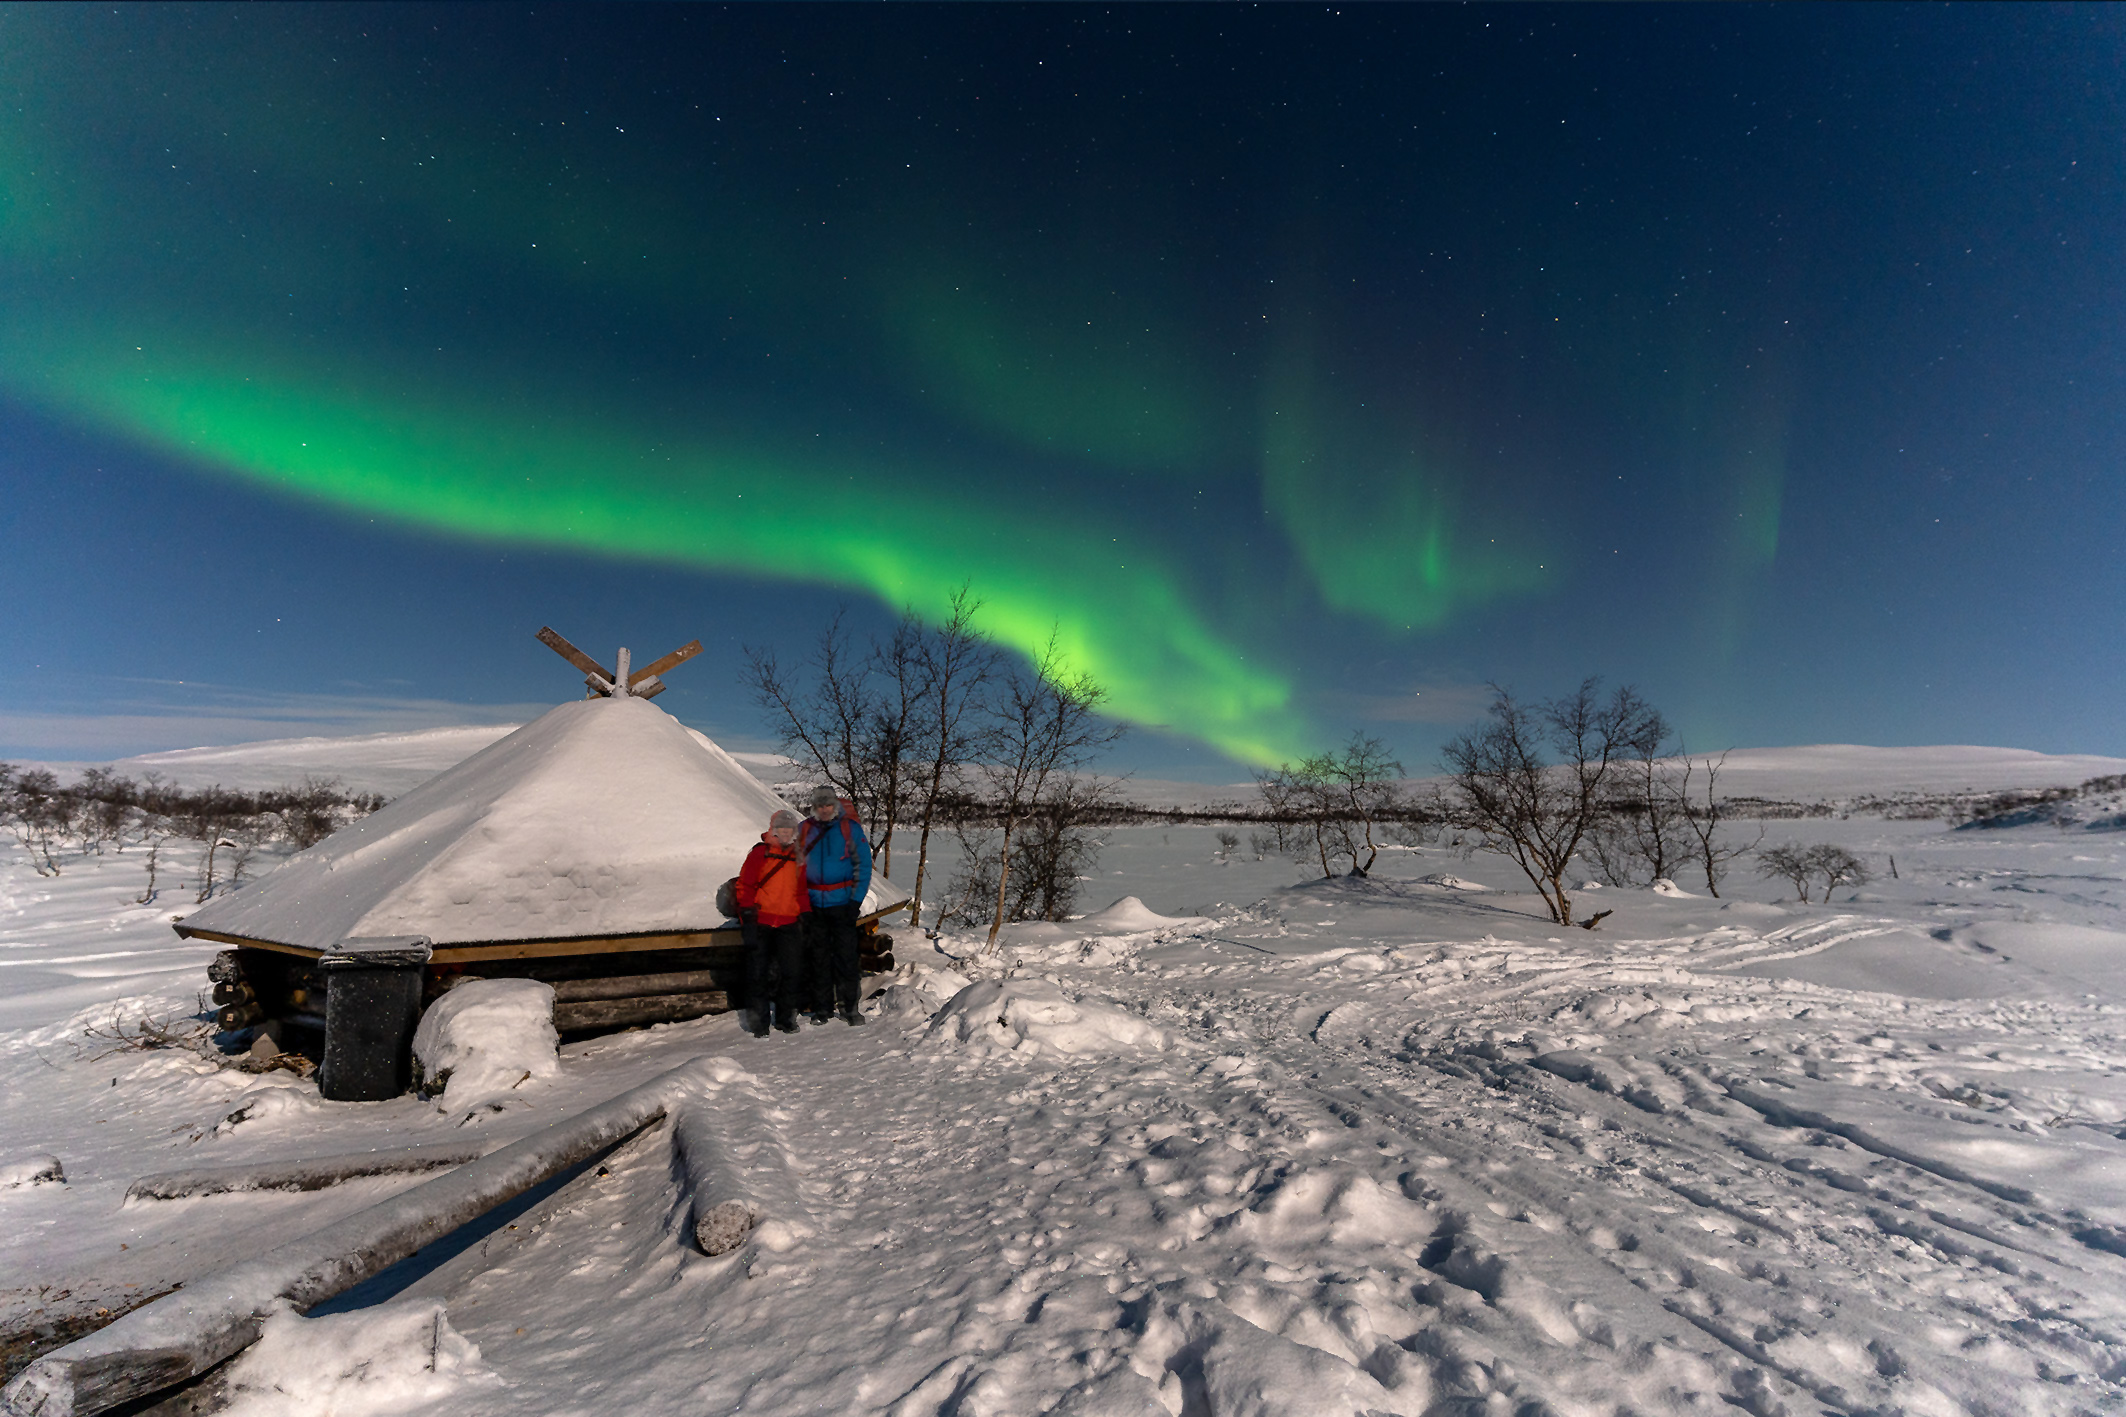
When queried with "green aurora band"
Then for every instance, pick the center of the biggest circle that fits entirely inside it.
(515, 331)
(551, 479)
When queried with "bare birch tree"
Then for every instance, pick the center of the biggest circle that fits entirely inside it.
(897, 670)
(828, 723)
(1504, 788)
(1046, 726)
(958, 663)
(1645, 835)
(1704, 823)
(887, 725)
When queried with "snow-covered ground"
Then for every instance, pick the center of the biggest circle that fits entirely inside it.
(1395, 1145)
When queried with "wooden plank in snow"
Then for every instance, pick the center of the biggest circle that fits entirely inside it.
(215, 1316)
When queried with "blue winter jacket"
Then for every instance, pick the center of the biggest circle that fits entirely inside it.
(837, 865)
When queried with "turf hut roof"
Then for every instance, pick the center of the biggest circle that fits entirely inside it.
(603, 819)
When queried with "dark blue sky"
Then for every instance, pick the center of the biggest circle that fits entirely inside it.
(1306, 368)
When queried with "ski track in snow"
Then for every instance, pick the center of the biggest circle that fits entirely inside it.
(1387, 1147)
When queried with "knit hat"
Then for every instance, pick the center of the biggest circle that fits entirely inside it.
(824, 794)
(784, 817)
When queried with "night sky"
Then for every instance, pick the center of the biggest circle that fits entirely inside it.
(1303, 368)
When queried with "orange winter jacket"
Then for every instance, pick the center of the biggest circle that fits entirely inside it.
(772, 882)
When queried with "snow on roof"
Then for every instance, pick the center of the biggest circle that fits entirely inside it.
(602, 817)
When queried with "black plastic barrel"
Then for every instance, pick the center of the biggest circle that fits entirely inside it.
(372, 1006)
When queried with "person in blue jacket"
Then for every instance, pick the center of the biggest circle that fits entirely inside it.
(838, 873)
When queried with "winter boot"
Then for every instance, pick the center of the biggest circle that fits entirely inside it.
(851, 1015)
(755, 1021)
(785, 1021)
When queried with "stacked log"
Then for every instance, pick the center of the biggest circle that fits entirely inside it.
(875, 953)
(629, 1000)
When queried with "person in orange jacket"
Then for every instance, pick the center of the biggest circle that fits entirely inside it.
(772, 904)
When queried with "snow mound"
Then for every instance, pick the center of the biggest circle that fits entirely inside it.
(1664, 886)
(1242, 1370)
(41, 1170)
(1104, 937)
(396, 1357)
(485, 1037)
(919, 992)
(1033, 1018)
(1451, 883)
(266, 1107)
(1130, 916)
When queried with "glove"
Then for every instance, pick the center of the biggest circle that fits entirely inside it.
(749, 917)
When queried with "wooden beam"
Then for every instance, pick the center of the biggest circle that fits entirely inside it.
(471, 951)
(307, 1174)
(611, 944)
(553, 641)
(658, 666)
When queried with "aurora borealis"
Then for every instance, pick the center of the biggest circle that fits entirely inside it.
(1284, 361)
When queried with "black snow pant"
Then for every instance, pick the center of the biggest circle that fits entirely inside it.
(775, 968)
(836, 942)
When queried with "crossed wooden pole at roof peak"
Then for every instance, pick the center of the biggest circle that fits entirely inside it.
(603, 683)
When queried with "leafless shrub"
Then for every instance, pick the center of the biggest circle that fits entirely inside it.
(1838, 867)
(104, 808)
(145, 1033)
(1802, 866)
(1789, 863)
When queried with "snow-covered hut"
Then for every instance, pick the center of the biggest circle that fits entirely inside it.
(596, 826)
(585, 849)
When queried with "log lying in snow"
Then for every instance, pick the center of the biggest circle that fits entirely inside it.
(309, 1174)
(624, 1013)
(183, 1334)
(723, 1213)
